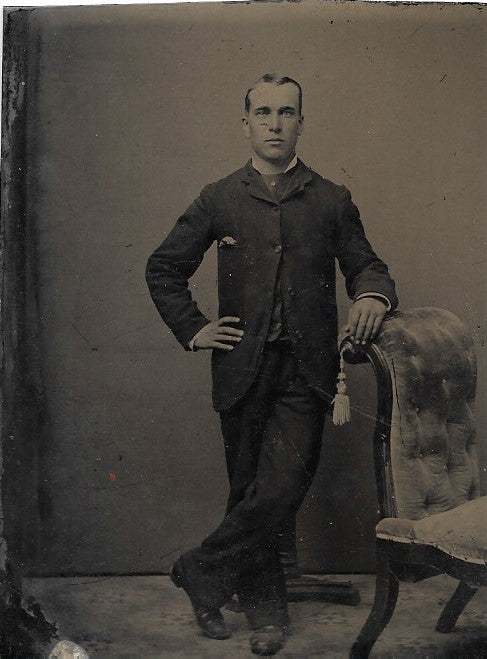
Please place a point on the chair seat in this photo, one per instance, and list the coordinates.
(460, 532)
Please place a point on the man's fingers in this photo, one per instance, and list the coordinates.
(220, 335)
(362, 322)
(364, 319)
(376, 327)
(230, 330)
(226, 337)
(353, 317)
(228, 319)
(221, 346)
(368, 328)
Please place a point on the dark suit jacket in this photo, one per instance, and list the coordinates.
(312, 225)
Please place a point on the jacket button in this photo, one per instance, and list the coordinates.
(278, 248)
(276, 209)
(290, 291)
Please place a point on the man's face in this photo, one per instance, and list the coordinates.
(273, 122)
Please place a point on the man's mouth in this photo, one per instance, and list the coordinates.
(275, 140)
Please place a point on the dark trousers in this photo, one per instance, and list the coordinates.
(272, 442)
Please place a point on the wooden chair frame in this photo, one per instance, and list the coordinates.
(398, 561)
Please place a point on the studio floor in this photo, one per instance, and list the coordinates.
(149, 617)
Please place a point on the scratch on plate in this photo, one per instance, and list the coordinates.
(415, 31)
(82, 336)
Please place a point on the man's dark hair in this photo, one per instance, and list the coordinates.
(277, 80)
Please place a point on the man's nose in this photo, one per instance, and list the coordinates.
(275, 123)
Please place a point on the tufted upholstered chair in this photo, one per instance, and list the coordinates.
(432, 518)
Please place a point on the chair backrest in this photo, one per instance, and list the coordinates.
(425, 452)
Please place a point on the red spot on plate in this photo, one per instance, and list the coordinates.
(112, 477)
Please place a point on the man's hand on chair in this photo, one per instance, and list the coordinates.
(365, 318)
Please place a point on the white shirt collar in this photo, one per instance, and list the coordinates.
(292, 164)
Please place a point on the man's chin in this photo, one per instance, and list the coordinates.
(276, 157)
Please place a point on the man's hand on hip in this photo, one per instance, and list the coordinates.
(365, 318)
(219, 334)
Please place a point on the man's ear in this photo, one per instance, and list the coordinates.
(245, 125)
(301, 125)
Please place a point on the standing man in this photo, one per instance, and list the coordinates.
(279, 227)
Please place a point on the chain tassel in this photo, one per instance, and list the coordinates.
(341, 402)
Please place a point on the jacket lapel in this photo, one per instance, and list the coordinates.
(300, 177)
(255, 184)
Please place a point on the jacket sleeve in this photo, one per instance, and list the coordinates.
(173, 263)
(363, 270)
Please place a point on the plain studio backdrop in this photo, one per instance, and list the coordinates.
(132, 111)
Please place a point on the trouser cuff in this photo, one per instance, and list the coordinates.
(261, 618)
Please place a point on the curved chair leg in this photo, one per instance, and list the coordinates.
(386, 591)
(453, 608)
